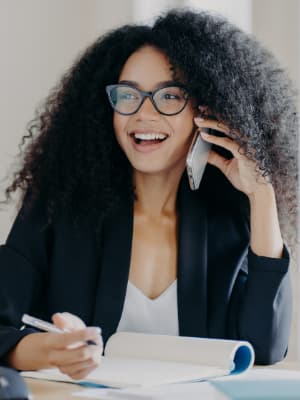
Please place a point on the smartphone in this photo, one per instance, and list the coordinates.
(197, 158)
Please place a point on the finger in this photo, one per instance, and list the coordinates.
(213, 124)
(78, 355)
(81, 374)
(98, 340)
(74, 320)
(67, 321)
(72, 369)
(218, 161)
(59, 321)
(225, 142)
(63, 340)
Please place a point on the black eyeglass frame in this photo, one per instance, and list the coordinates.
(144, 95)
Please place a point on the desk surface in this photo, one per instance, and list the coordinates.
(43, 390)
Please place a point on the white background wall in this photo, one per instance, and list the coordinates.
(39, 39)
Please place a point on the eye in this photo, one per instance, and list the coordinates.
(170, 96)
(127, 96)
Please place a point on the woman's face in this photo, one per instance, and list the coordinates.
(146, 69)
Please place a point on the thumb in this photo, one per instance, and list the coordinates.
(67, 321)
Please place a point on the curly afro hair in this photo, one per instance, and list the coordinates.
(71, 158)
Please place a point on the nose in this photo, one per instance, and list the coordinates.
(148, 111)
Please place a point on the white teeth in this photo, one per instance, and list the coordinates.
(149, 136)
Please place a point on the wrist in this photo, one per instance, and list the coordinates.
(266, 239)
(263, 193)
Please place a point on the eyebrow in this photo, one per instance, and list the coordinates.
(161, 83)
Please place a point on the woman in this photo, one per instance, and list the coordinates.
(110, 231)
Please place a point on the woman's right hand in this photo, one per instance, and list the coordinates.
(66, 351)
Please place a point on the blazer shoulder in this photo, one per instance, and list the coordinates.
(31, 216)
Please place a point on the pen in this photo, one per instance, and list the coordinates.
(47, 326)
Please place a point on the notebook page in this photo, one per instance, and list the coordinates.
(124, 372)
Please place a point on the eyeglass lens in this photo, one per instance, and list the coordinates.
(168, 100)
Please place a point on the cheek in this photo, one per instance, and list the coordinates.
(184, 123)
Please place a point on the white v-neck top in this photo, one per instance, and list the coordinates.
(145, 315)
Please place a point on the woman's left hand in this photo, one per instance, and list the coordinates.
(244, 175)
(240, 170)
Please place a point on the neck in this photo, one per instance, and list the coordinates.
(156, 193)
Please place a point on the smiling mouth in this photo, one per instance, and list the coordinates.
(148, 138)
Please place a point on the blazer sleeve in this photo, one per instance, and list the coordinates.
(23, 269)
(261, 306)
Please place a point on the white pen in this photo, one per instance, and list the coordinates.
(47, 326)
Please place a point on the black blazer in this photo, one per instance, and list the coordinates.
(224, 289)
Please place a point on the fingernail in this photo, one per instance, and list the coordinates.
(94, 330)
(198, 119)
(204, 134)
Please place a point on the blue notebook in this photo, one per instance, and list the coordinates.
(259, 390)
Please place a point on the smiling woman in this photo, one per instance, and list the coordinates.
(107, 210)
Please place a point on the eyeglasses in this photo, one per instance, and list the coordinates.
(127, 100)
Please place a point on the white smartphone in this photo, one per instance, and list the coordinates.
(197, 158)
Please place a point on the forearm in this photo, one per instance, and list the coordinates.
(266, 239)
(30, 353)
(264, 307)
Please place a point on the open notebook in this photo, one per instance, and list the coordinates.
(137, 359)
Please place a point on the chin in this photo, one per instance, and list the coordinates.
(150, 168)
(156, 169)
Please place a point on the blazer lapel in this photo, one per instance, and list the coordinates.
(192, 262)
(114, 271)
